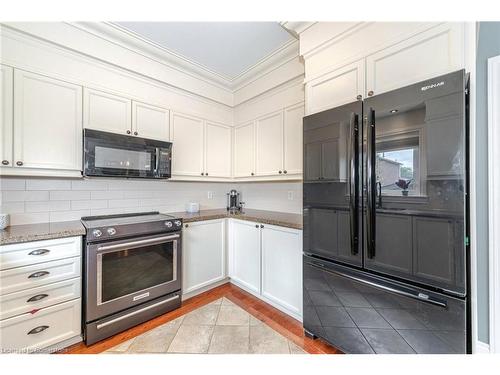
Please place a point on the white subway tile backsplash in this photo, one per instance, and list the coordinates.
(118, 203)
(24, 196)
(89, 185)
(68, 215)
(89, 204)
(12, 184)
(65, 195)
(12, 207)
(46, 206)
(29, 218)
(48, 184)
(42, 200)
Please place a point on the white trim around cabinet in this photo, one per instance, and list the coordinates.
(494, 200)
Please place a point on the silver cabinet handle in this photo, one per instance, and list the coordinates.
(370, 93)
(19, 163)
(5, 162)
(39, 252)
(126, 245)
(112, 321)
(36, 275)
(38, 297)
(38, 329)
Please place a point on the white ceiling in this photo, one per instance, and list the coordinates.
(225, 48)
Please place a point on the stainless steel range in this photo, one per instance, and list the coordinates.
(132, 271)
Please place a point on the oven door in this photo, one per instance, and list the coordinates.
(125, 273)
(115, 155)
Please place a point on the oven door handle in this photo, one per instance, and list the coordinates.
(139, 243)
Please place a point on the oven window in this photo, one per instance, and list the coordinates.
(132, 270)
(108, 157)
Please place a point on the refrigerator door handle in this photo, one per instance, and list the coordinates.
(353, 181)
(371, 184)
(402, 291)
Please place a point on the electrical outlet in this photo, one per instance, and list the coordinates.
(210, 195)
(290, 195)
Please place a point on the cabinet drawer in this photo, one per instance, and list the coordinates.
(44, 328)
(37, 298)
(25, 254)
(18, 279)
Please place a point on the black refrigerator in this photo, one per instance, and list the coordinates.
(385, 212)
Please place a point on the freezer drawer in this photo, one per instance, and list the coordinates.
(361, 313)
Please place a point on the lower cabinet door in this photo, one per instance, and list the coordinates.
(245, 255)
(282, 268)
(46, 327)
(203, 254)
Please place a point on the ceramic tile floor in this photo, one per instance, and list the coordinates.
(220, 327)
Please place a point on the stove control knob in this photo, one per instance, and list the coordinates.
(168, 224)
(178, 223)
(97, 233)
(111, 231)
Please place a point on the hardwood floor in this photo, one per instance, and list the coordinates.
(280, 322)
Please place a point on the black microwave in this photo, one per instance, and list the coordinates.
(115, 155)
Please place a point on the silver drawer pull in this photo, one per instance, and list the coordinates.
(38, 329)
(39, 252)
(38, 274)
(38, 297)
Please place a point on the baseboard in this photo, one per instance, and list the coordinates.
(204, 289)
(482, 348)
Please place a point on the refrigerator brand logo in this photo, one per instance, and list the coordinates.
(433, 86)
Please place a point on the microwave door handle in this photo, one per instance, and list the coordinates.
(157, 161)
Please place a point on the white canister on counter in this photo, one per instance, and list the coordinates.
(4, 221)
(192, 207)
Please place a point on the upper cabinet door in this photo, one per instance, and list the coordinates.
(339, 87)
(270, 145)
(107, 112)
(293, 139)
(432, 53)
(187, 147)
(6, 116)
(217, 150)
(47, 122)
(150, 122)
(244, 150)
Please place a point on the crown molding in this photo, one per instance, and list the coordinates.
(138, 44)
(296, 27)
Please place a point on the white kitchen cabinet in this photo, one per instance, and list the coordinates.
(47, 122)
(336, 88)
(7, 114)
(292, 135)
(203, 254)
(188, 145)
(149, 121)
(245, 255)
(217, 150)
(244, 150)
(437, 51)
(282, 267)
(107, 112)
(266, 260)
(269, 154)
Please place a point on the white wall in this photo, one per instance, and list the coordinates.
(34, 200)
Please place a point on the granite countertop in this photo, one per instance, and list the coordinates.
(281, 219)
(47, 231)
(43, 231)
